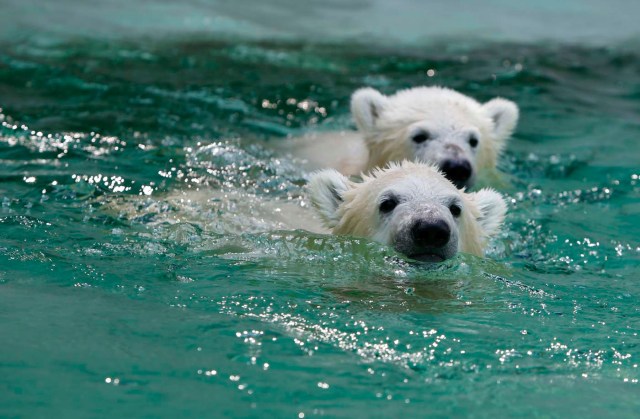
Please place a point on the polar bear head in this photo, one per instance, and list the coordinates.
(434, 125)
(410, 206)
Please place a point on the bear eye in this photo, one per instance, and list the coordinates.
(473, 141)
(388, 205)
(455, 210)
(420, 137)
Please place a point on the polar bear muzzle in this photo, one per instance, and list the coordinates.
(430, 240)
(458, 171)
(429, 234)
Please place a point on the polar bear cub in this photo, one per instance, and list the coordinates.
(461, 136)
(435, 125)
(410, 206)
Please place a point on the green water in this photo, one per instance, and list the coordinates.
(117, 300)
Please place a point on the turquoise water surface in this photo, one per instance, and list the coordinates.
(121, 295)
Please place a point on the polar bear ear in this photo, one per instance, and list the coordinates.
(504, 114)
(492, 209)
(327, 188)
(366, 106)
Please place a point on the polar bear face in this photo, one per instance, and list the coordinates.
(434, 125)
(410, 206)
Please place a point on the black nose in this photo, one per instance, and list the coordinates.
(430, 233)
(457, 171)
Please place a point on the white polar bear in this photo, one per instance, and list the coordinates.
(430, 124)
(410, 206)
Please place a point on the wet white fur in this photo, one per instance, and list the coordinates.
(352, 208)
(387, 123)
